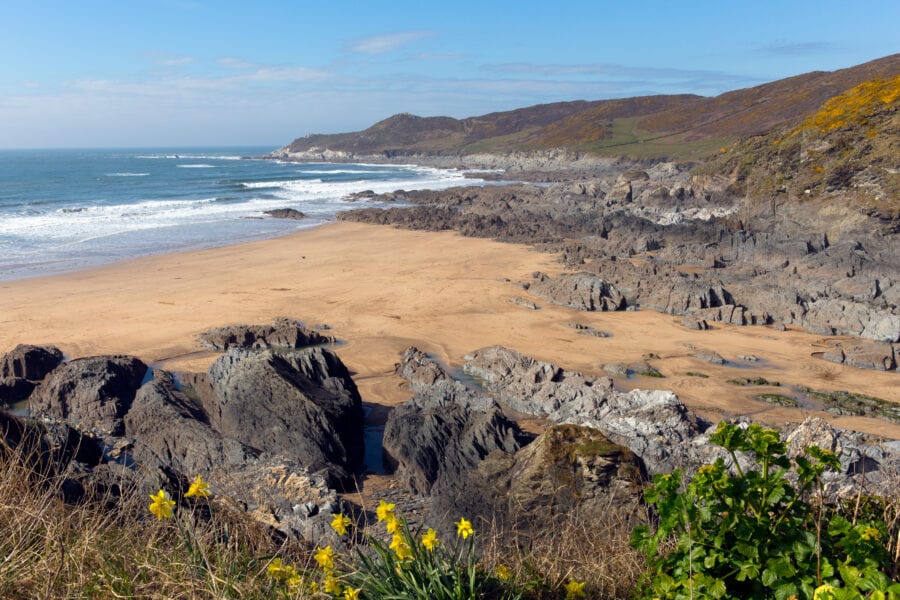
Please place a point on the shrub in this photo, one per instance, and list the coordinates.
(754, 534)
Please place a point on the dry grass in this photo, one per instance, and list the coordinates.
(596, 552)
(112, 548)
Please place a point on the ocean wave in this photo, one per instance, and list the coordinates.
(196, 166)
(190, 156)
(127, 174)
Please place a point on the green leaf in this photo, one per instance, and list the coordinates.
(783, 592)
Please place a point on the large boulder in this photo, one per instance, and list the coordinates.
(90, 393)
(302, 405)
(30, 362)
(568, 470)
(443, 432)
(171, 432)
(282, 333)
(173, 443)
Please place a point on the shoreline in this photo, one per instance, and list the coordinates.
(383, 289)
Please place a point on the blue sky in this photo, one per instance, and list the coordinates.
(200, 72)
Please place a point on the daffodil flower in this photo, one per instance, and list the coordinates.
(503, 573)
(162, 505)
(574, 589)
(340, 523)
(464, 528)
(351, 593)
(325, 558)
(198, 489)
(429, 539)
(385, 510)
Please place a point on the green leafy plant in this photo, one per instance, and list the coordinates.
(755, 534)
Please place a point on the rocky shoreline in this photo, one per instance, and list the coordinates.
(276, 425)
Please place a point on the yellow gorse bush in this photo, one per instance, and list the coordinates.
(854, 106)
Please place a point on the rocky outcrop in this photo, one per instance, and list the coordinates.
(655, 425)
(282, 333)
(419, 369)
(303, 405)
(567, 470)
(527, 385)
(90, 393)
(30, 362)
(580, 291)
(879, 356)
(874, 464)
(435, 438)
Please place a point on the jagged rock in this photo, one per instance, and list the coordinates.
(654, 424)
(567, 470)
(879, 356)
(14, 389)
(90, 393)
(876, 464)
(527, 385)
(30, 362)
(303, 405)
(519, 301)
(171, 431)
(282, 333)
(580, 291)
(416, 367)
(442, 433)
(285, 213)
(727, 313)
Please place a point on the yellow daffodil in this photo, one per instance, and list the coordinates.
(392, 523)
(351, 594)
(429, 539)
(574, 589)
(295, 581)
(162, 505)
(385, 510)
(503, 573)
(464, 529)
(340, 523)
(274, 569)
(400, 547)
(198, 489)
(325, 558)
(331, 585)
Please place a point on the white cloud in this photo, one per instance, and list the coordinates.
(382, 44)
(232, 62)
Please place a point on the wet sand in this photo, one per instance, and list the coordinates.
(383, 289)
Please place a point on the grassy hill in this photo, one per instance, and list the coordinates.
(848, 147)
(673, 126)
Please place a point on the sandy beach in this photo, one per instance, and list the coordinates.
(381, 290)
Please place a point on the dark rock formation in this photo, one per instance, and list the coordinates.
(285, 213)
(14, 389)
(568, 470)
(30, 362)
(282, 333)
(434, 439)
(90, 393)
(302, 405)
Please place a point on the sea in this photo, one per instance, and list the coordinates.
(65, 210)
